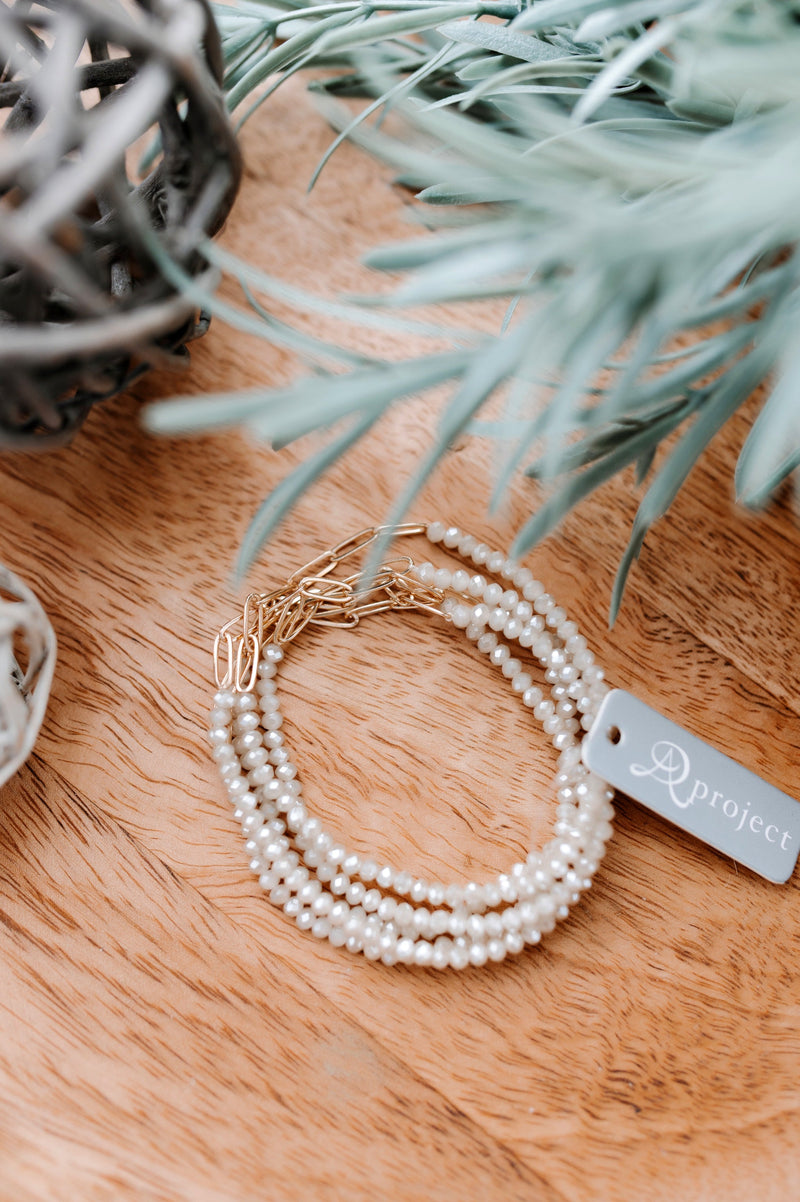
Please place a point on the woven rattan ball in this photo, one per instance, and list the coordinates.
(85, 307)
(27, 659)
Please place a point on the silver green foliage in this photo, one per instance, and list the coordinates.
(626, 175)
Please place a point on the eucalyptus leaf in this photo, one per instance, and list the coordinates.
(630, 450)
(772, 449)
(624, 65)
(736, 386)
(375, 28)
(282, 498)
(500, 40)
(615, 18)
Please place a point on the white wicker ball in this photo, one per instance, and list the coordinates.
(24, 685)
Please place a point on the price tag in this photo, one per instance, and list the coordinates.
(675, 774)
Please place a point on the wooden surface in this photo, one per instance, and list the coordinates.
(166, 1034)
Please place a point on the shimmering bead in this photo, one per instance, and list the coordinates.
(237, 788)
(355, 893)
(441, 952)
(423, 954)
(421, 922)
(247, 742)
(461, 616)
(385, 877)
(521, 682)
(244, 722)
(473, 895)
(477, 955)
(459, 957)
(223, 752)
(405, 950)
(418, 891)
(295, 817)
(457, 924)
(512, 628)
(514, 942)
(555, 616)
(323, 904)
(439, 922)
(403, 882)
(497, 619)
(476, 927)
(532, 590)
(255, 758)
(368, 870)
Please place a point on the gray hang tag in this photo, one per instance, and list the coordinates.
(654, 761)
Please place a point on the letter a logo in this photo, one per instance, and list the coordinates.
(669, 766)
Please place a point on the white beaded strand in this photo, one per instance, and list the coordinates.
(388, 914)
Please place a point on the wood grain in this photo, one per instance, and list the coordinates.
(166, 1034)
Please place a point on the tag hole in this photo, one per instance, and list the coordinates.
(614, 735)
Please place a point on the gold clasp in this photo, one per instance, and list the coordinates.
(312, 596)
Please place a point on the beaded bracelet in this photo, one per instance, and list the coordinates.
(353, 901)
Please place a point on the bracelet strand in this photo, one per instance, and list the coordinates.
(355, 901)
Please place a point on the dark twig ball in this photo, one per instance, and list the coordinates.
(88, 86)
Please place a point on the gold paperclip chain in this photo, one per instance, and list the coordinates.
(314, 596)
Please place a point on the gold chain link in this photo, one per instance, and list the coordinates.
(313, 596)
